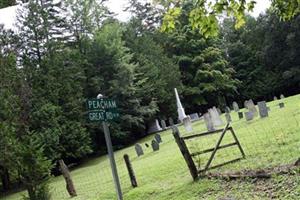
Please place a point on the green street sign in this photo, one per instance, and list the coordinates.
(103, 109)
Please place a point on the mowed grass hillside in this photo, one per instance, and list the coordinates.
(163, 175)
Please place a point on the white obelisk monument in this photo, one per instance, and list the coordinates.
(180, 109)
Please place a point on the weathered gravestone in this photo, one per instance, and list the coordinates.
(171, 122)
(275, 98)
(163, 124)
(249, 115)
(208, 122)
(155, 145)
(194, 116)
(228, 117)
(187, 124)
(241, 116)
(281, 105)
(235, 106)
(263, 110)
(251, 107)
(246, 104)
(157, 138)
(154, 127)
(219, 111)
(139, 150)
(216, 119)
(227, 109)
(281, 96)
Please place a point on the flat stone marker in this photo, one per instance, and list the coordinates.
(155, 145)
(281, 105)
(171, 122)
(163, 124)
(187, 124)
(241, 115)
(263, 109)
(208, 122)
(194, 116)
(139, 150)
(235, 106)
(157, 138)
(249, 116)
(281, 96)
(228, 117)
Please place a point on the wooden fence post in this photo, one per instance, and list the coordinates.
(130, 171)
(185, 152)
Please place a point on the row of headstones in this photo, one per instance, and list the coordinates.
(154, 144)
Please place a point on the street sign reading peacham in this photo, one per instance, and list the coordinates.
(103, 109)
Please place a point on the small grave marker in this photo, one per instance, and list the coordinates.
(187, 124)
(139, 150)
(171, 122)
(241, 115)
(235, 106)
(163, 124)
(157, 138)
(155, 145)
(249, 116)
(228, 117)
(281, 105)
(208, 122)
(263, 110)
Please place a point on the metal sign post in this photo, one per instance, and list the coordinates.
(112, 160)
(104, 110)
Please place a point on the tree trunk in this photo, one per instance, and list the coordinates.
(5, 178)
(66, 174)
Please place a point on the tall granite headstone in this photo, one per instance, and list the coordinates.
(139, 150)
(155, 145)
(208, 122)
(235, 106)
(263, 109)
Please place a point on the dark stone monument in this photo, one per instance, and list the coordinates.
(155, 145)
(139, 150)
(241, 116)
(157, 138)
(263, 110)
(281, 105)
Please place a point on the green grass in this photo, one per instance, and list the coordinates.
(163, 175)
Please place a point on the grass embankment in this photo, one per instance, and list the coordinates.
(163, 175)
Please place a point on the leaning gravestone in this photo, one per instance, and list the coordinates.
(154, 127)
(194, 116)
(139, 150)
(241, 116)
(163, 124)
(157, 138)
(281, 105)
(187, 124)
(263, 109)
(155, 145)
(228, 117)
(249, 115)
(281, 96)
(208, 122)
(235, 106)
(171, 122)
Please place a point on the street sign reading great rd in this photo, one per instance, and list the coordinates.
(102, 110)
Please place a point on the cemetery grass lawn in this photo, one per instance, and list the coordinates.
(163, 175)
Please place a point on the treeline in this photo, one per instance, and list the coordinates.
(65, 52)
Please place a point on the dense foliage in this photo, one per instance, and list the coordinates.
(55, 61)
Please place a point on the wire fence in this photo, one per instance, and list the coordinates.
(267, 142)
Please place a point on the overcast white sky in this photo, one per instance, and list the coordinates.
(7, 15)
